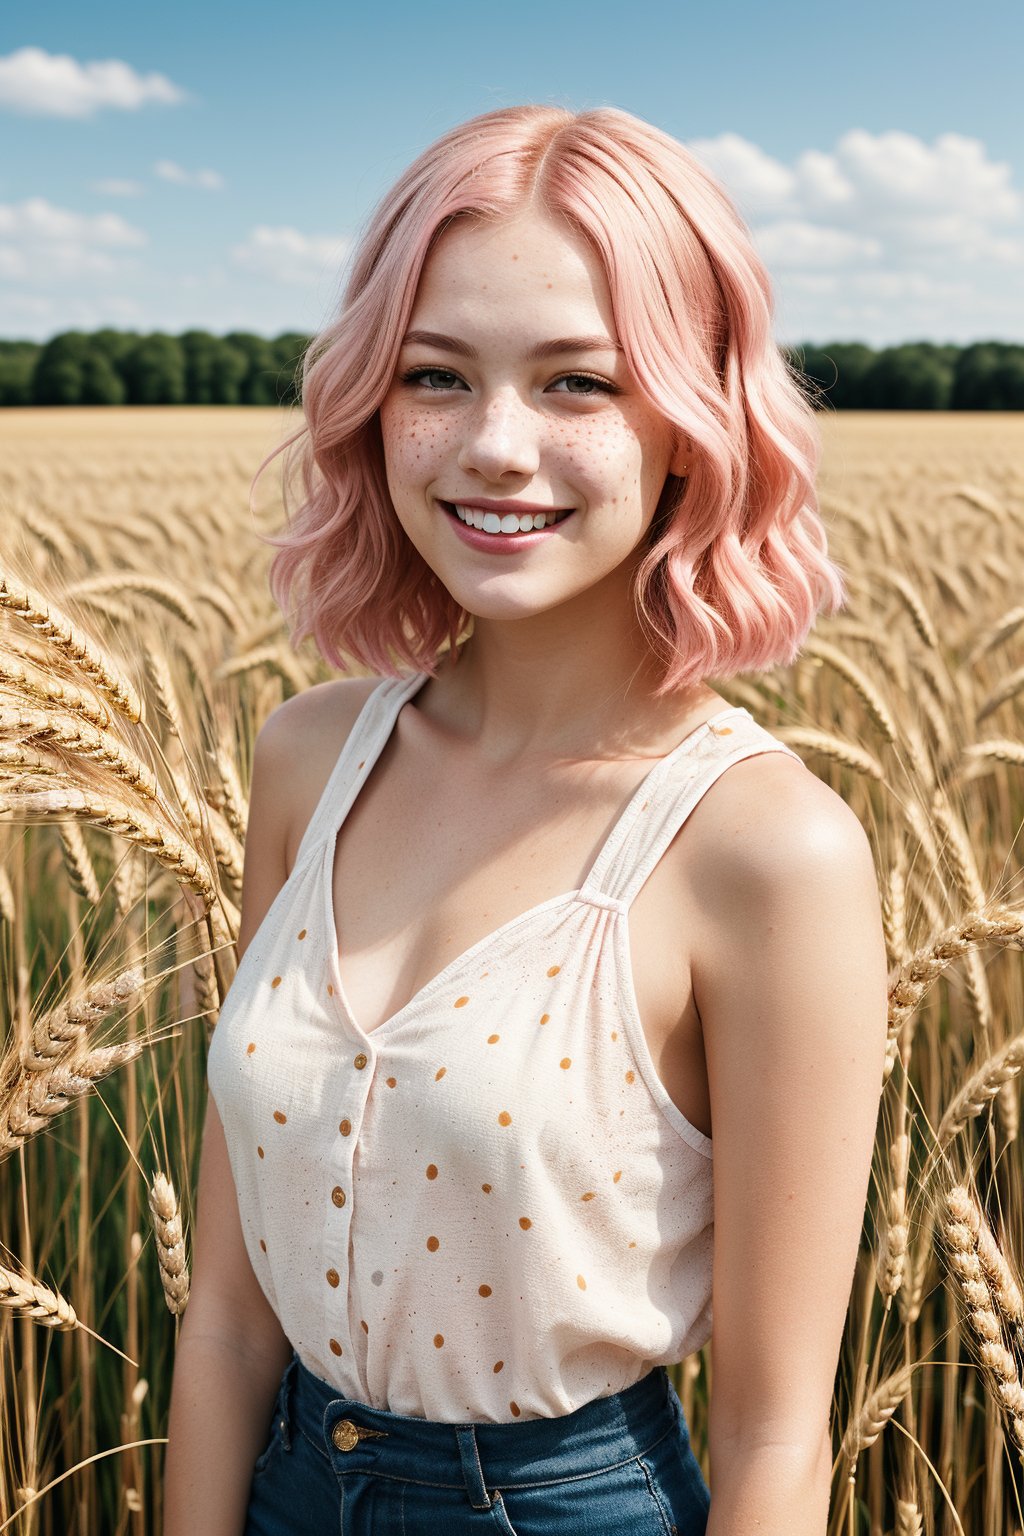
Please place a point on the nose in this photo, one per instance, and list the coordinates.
(500, 438)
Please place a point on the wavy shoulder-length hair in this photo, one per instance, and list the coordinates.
(735, 567)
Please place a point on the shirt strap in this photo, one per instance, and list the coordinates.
(668, 794)
(363, 745)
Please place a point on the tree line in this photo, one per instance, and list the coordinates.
(111, 367)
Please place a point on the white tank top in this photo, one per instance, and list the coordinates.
(488, 1208)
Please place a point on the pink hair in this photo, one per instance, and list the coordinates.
(736, 565)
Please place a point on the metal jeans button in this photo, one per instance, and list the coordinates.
(345, 1435)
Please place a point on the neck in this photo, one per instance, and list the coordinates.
(578, 679)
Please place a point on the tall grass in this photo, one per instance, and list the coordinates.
(140, 653)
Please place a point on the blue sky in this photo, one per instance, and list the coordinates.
(215, 169)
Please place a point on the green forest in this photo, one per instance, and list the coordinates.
(111, 367)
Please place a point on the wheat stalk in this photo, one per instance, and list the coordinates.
(222, 604)
(980, 1089)
(170, 1243)
(47, 620)
(1002, 630)
(38, 1097)
(962, 1227)
(909, 1521)
(62, 1030)
(24, 1297)
(1001, 751)
(859, 681)
(234, 805)
(999, 926)
(81, 874)
(163, 683)
(914, 605)
(162, 591)
(805, 739)
(184, 863)
(81, 739)
(893, 1253)
(867, 1425)
(51, 688)
(1002, 694)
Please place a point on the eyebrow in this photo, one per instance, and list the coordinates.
(545, 349)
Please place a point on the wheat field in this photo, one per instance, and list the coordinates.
(139, 654)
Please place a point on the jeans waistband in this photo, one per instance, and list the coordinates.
(603, 1433)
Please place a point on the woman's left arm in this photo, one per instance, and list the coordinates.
(790, 980)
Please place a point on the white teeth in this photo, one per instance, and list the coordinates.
(510, 523)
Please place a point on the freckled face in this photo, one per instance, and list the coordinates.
(511, 387)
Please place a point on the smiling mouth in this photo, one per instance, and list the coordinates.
(507, 524)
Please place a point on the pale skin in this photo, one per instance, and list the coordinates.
(757, 950)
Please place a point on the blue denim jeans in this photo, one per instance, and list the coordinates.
(619, 1464)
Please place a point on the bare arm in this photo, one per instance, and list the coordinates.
(790, 982)
(231, 1348)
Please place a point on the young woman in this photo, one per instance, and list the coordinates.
(530, 911)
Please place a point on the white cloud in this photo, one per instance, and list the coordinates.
(796, 243)
(901, 173)
(759, 183)
(921, 235)
(286, 256)
(168, 170)
(111, 186)
(56, 85)
(39, 241)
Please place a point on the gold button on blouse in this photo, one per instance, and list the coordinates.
(338, 1195)
(360, 1061)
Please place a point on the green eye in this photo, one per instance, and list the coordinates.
(592, 385)
(439, 378)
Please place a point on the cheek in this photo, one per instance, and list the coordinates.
(414, 440)
(605, 453)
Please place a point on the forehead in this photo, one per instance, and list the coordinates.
(534, 268)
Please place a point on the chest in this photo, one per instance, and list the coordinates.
(429, 863)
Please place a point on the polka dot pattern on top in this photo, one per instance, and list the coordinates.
(487, 1208)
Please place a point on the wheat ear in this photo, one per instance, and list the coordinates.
(81, 739)
(879, 1408)
(184, 863)
(53, 689)
(893, 1253)
(170, 1243)
(36, 1098)
(29, 1299)
(87, 656)
(1000, 926)
(963, 1220)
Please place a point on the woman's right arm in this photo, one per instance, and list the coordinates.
(231, 1348)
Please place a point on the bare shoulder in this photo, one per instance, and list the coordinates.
(299, 743)
(781, 880)
(767, 821)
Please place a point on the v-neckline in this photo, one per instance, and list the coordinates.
(384, 731)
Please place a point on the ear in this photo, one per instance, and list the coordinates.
(682, 456)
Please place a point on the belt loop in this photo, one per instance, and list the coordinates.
(472, 1471)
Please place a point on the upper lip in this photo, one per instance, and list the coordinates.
(481, 504)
